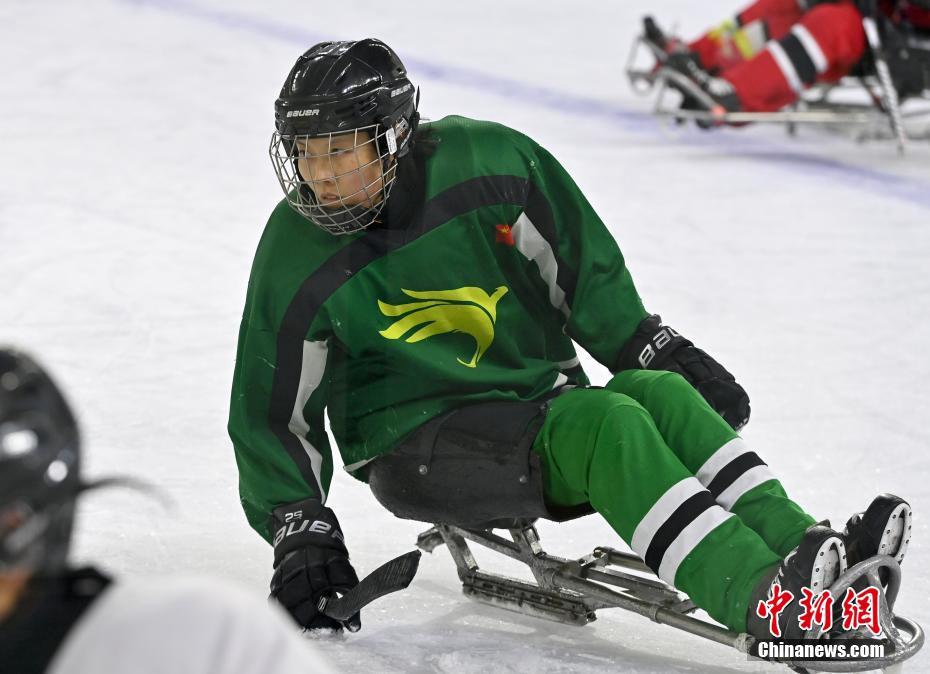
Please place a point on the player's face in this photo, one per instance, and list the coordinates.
(13, 579)
(342, 170)
(12, 585)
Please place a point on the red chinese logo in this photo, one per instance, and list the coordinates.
(860, 609)
(772, 608)
(818, 610)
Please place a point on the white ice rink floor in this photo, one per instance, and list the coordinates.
(134, 185)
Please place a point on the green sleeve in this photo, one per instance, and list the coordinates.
(285, 458)
(603, 305)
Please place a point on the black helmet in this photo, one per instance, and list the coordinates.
(39, 464)
(337, 89)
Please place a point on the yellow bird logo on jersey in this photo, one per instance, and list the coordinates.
(437, 312)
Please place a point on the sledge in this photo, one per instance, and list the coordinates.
(865, 106)
(571, 591)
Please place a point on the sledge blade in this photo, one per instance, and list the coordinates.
(526, 598)
(389, 577)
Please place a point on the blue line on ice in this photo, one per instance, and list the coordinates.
(884, 183)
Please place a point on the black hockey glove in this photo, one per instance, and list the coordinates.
(658, 347)
(310, 562)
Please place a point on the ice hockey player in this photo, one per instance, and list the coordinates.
(425, 282)
(63, 620)
(765, 57)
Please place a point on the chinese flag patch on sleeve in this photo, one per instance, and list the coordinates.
(505, 235)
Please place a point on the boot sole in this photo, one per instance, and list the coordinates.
(897, 533)
(829, 564)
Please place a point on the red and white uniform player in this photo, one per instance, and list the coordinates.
(774, 49)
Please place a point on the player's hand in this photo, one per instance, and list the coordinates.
(311, 562)
(718, 387)
(658, 347)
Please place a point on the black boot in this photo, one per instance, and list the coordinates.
(883, 529)
(816, 563)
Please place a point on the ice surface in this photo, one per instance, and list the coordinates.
(134, 184)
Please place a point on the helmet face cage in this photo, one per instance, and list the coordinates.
(351, 178)
(35, 538)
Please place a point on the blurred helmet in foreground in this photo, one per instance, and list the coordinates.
(39, 467)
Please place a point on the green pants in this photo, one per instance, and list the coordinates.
(675, 482)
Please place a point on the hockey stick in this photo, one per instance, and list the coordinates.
(389, 577)
(889, 92)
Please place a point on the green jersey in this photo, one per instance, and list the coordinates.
(477, 296)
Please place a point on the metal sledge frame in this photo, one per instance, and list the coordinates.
(881, 118)
(571, 590)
